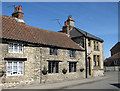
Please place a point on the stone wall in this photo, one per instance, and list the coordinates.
(30, 73)
(63, 55)
(36, 59)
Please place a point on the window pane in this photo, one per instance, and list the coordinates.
(69, 67)
(57, 67)
(88, 42)
(74, 67)
(97, 45)
(14, 67)
(20, 68)
(10, 48)
(98, 60)
(55, 51)
(94, 44)
(49, 67)
(9, 68)
(70, 53)
(53, 67)
(94, 60)
(74, 53)
(15, 47)
(20, 48)
(51, 51)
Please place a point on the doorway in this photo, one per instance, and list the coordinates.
(88, 66)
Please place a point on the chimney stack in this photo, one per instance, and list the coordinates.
(69, 24)
(18, 13)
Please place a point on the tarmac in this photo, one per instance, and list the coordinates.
(66, 84)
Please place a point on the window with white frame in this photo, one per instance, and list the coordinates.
(15, 68)
(15, 48)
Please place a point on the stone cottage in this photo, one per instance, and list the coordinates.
(27, 51)
(93, 47)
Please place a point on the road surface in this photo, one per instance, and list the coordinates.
(111, 83)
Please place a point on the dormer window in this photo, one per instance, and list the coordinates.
(15, 48)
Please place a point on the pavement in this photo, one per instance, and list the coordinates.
(66, 84)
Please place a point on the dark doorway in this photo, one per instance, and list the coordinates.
(89, 66)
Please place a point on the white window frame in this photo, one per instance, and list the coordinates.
(12, 49)
(18, 73)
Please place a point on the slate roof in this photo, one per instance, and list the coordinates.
(88, 35)
(116, 46)
(11, 29)
(115, 56)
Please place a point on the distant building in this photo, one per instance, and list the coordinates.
(114, 60)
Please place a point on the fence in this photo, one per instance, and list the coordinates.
(112, 68)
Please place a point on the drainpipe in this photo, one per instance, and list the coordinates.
(40, 65)
(86, 55)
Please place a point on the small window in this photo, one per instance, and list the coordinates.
(15, 48)
(15, 68)
(72, 53)
(97, 45)
(89, 42)
(72, 66)
(53, 51)
(53, 67)
(98, 58)
(115, 62)
(94, 57)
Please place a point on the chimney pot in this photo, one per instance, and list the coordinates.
(18, 13)
(65, 23)
(20, 7)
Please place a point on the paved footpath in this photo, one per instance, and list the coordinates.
(62, 85)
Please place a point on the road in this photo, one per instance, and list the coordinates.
(111, 83)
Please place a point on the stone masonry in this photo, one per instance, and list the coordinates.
(36, 59)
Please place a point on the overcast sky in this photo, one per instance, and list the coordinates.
(97, 18)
